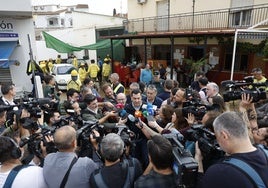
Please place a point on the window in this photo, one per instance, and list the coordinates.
(62, 22)
(71, 21)
(241, 18)
(241, 62)
(51, 22)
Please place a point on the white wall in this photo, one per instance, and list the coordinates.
(82, 33)
(16, 5)
(21, 53)
(88, 20)
(149, 9)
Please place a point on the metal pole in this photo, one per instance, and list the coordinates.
(112, 55)
(193, 16)
(145, 50)
(171, 57)
(233, 59)
(168, 13)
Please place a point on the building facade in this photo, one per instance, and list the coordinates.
(168, 31)
(73, 25)
(15, 31)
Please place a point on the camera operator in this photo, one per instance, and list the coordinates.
(232, 135)
(49, 89)
(93, 113)
(50, 118)
(9, 92)
(159, 172)
(116, 172)
(57, 165)
(27, 176)
(179, 98)
(212, 90)
(258, 77)
(2, 120)
(73, 114)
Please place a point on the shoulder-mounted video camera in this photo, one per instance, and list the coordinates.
(235, 89)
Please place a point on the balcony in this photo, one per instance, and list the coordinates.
(221, 19)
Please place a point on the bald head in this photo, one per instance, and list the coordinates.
(65, 137)
(121, 98)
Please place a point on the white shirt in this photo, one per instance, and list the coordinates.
(31, 176)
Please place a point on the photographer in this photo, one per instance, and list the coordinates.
(49, 89)
(232, 136)
(212, 90)
(65, 162)
(93, 113)
(159, 172)
(26, 176)
(116, 172)
(2, 120)
(9, 92)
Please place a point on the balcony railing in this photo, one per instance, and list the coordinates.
(242, 17)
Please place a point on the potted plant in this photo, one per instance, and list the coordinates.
(192, 66)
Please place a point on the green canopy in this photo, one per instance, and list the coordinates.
(103, 44)
(62, 47)
(58, 45)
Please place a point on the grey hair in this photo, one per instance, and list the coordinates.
(214, 86)
(152, 87)
(112, 147)
(134, 84)
(115, 76)
(233, 123)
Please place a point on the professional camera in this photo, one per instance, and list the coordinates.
(52, 95)
(193, 105)
(184, 165)
(206, 141)
(13, 113)
(35, 106)
(235, 89)
(34, 140)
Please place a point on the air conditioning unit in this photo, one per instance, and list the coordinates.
(141, 1)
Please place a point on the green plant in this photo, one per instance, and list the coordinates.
(192, 66)
(265, 50)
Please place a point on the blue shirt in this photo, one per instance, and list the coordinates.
(146, 76)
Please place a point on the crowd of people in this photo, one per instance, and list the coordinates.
(117, 138)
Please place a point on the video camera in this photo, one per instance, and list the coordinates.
(235, 89)
(194, 106)
(12, 111)
(206, 141)
(34, 140)
(184, 165)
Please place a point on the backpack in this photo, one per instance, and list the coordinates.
(247, 169)
(129, 174)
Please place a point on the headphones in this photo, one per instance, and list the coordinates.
(15, 152)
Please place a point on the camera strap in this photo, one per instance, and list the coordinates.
(62, 185)
(248, 170)
(12, 175)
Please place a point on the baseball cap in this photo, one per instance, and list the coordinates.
(156, 73)
(256, 71)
